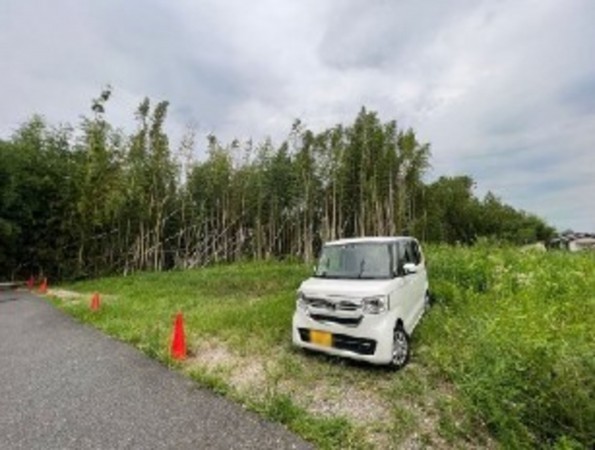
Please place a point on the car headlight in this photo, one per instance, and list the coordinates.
(375, 305)
(301, 302)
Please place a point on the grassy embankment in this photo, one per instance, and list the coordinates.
(507, 355)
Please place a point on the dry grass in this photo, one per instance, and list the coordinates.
(387, 413)
(64, 294)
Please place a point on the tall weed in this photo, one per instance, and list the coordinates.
(515, 332)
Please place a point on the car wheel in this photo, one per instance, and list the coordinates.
(400, 354)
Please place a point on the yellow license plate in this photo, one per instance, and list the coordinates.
(321, 338)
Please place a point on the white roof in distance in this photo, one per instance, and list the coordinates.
(368, 240)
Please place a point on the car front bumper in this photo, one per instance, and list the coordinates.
(370, 341)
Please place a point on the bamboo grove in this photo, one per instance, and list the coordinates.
(90, 200)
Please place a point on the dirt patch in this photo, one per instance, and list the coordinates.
(243, 372)
(256, 375)
(212, 355)
(250, 375)
(346, 400)
(76, 297)
(63, 294)
(389, 414)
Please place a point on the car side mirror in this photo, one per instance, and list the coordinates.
(409, 268)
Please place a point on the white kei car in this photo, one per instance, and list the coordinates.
(364, 300)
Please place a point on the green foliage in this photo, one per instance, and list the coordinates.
(511, 330)
(98, 201)
(453, 214)
(37, 191)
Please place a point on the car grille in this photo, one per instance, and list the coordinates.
(343, 305)
(358, 345)
(349, 321)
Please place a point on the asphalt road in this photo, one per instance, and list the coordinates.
(65, 385)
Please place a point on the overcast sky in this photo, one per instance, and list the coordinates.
(503, 90)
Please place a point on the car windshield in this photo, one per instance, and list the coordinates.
(361, 260)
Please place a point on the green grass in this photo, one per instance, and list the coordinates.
(509, 347)
(516, 334)
(242, 304)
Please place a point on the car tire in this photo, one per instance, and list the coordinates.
(400, 348)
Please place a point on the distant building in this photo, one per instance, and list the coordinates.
(574, 242)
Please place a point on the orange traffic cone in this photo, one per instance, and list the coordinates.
(178, 341)
(95, 302)
(43, 287)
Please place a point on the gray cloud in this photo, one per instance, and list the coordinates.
(380, 33)
(579, 95)
(503, 90)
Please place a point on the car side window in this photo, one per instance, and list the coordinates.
(415, 253)
(407, 252)
(405, 255)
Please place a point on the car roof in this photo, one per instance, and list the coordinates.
(370, 240)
